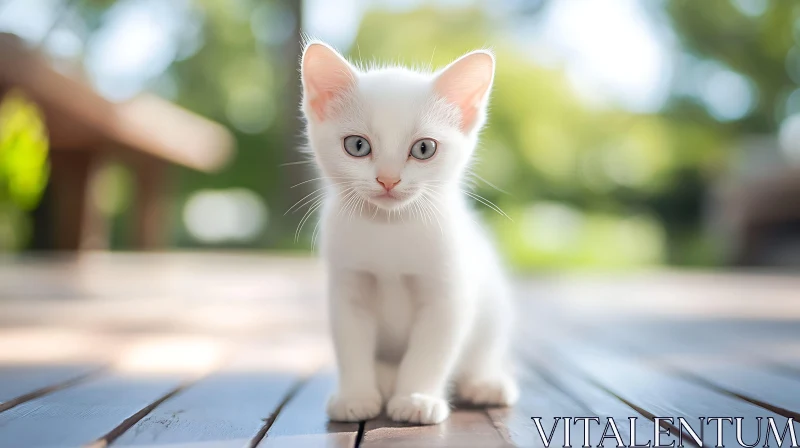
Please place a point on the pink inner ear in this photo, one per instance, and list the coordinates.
(465, 84)
(319, 104)
(325, 76)
(470, 104)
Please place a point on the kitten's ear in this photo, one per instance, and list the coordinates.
(466, 84)
(325, 74)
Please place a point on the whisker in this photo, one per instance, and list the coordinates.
(316, 178)
(315, 235)
(360, 206)
(433, 213)
(433, 194)
(345, 199)
(418, 211)
(303, 199)
(350, 206)
(492, 185)
(317, 204)
(487, 203)
(423, 210)
(302, 162)
(430, 207)
(311, 200)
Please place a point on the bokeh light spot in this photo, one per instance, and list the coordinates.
(236, 215)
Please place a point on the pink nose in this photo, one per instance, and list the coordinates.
(387, 182)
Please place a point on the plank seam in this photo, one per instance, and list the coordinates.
(548, 378)
(485, 412)
(129, 422)
(780, 368)
(701, 381)
(677, 370)
(14, 402)
(360, 434)
(268, 422)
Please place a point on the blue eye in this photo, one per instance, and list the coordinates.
(357, 146)
(423, 149)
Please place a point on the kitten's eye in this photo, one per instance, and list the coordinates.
(423, 149)
(357, 146)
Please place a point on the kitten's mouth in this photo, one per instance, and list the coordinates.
(388, 199)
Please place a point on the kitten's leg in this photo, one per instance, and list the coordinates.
(353, 323)
(435, 340)
(484, 374)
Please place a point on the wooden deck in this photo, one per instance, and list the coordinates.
(232, 351)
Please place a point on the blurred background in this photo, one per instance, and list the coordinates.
(627, 140)
(622, 133)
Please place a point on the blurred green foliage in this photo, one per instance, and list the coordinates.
(24, 167)
(240, 79)
(760, 42)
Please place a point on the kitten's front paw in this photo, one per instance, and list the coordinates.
(501, 391)
(354, 407)
(418, 408)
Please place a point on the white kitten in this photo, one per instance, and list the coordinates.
(417, 296)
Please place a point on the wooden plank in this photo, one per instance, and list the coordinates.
(18, 380)
(739, 359)
(722, 361)
(752, 383)
(751, 338)
(81, 414)
(464, 428)
(232, 406)
(302, 421)
(228, 408)
(658, 393)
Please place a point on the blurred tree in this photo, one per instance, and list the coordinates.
(759, 39)
(89, 12)
(241, 71)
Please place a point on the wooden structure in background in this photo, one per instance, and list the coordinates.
(762, 216)
(86, 130)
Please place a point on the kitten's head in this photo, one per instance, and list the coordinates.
(390, 135)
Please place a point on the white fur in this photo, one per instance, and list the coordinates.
(418, 300)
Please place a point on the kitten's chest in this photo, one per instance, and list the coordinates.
(395, 310)
(391, 248)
